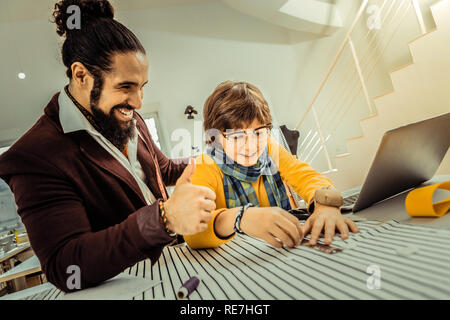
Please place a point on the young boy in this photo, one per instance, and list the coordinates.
(247, 169)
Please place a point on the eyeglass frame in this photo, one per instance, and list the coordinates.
(227, 136)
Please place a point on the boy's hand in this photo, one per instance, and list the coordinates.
(330, 219)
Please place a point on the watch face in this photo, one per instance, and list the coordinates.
(329, 197)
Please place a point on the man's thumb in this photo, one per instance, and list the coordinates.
(187, 173)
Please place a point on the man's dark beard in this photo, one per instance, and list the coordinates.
(110, 126)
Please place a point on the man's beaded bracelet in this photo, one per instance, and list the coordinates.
(162, 213)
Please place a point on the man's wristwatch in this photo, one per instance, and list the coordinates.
(327, 197)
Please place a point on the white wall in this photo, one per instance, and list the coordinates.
(193, 48)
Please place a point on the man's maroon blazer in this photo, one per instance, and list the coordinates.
(80, 206)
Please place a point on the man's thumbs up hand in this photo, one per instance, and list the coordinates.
(189, 208)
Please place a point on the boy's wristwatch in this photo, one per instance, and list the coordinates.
(239, 214)
(327, 197)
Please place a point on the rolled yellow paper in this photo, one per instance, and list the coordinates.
(419, 202)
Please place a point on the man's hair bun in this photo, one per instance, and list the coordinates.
(92, 35)
(90, 10)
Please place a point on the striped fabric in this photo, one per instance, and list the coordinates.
(247, 268)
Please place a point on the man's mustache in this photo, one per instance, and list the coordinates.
(121, 106)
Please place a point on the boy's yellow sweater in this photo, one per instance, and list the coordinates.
(297, 174)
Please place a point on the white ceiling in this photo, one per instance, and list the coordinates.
(150, 4)
(312, 16)
(30, 44)
(26, 10)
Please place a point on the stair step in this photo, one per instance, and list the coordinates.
(383, 94)
(422, 35)
(401, 67)
(441, 13)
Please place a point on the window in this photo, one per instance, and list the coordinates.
(152, 122)
(3, 149)
(9, 219)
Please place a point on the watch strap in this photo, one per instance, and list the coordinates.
(239, 214)
(329, 197)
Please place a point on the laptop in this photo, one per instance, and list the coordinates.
(407, 157)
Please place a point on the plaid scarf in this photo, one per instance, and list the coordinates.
(237, 180)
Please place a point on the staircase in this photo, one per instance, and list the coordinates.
(421, 91)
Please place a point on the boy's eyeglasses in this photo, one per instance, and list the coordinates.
(239, 136)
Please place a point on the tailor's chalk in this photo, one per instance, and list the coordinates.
(326, 248)
(188, 287)
(406, 251)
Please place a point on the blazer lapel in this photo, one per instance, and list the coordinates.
(102, 158)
